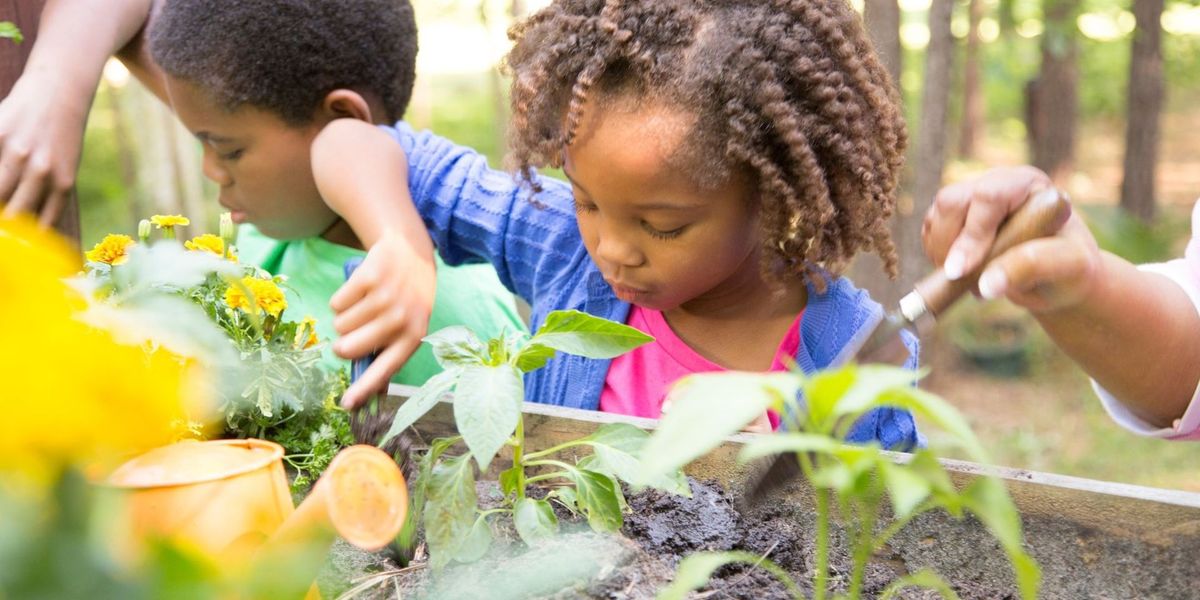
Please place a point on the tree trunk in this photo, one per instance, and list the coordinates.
(972, 117)
(930, 155)
(1052, 98)
(882, 20)
(1145, 105)
(25, 14)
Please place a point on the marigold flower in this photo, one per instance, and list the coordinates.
(307, 326)
(267, 296)
(113, 249)
(162, 221)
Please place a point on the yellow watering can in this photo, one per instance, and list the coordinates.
(229, 499)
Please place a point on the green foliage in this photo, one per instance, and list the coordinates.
(849, 481)
(9, 30)
(1133, 240)
(488, 393)
(271, 385)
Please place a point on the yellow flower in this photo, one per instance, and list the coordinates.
(266, 295)
(307, 326)
(162, 221)
(113, 249)
(72, 394)
(209, 243)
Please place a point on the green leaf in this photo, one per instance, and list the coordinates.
(535, 520)
(533, 357)
(987, 499)
(421, 402)
(871, 383)
(786, 441)
(821, 395)
(582, 334)
(9, 30)
(939, 412)
(487, 406)
(456, 346)
(567, 497)
(906, 489)
(509, 479)
(450, 508)
(707, 408)
(596, 497)
(477, 542)
(695, 571)
(921, 579)
(616, 449)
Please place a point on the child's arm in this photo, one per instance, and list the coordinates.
(478, 214)
(1137, 333)
(43, 118)
(385, 305)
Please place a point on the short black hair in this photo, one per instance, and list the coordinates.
(285, 56)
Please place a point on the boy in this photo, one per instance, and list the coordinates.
(256, 81)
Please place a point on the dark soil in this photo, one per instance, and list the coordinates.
(660, 530)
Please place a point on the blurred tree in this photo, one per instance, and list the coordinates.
(1146, 92)
(930, 156)
(1052, 98)
(972, 126)
(882, 20)
(1006, 17)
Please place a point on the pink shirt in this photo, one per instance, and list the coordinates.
(638, 381)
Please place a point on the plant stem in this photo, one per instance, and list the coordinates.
(518, 456)
(553, 463)
(546, 476)
(863, 547)
(558, 448)
(821, 577)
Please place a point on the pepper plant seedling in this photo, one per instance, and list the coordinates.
(848, 481)
(486, 379)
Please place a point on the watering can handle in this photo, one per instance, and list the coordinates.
(359, 365)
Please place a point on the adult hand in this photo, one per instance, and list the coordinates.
(385, 307)
(1042, 275)
(41, 136)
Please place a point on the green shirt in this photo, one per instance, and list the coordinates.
(469, 295)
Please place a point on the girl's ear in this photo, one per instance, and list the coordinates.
(345, 104)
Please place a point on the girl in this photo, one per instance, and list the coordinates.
(726, 161)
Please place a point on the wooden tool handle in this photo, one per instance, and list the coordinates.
(1041, 216)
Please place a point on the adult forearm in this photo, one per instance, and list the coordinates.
(1138, 335)
(77, 37)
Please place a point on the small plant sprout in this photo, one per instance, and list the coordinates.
(847, 481)
(486, 378)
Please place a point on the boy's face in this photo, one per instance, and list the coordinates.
(260, 162)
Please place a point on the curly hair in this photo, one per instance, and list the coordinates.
(789, 91)
(285, 56)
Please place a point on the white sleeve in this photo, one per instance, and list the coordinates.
(1183, 272)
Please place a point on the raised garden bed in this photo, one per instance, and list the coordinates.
(1093, 539)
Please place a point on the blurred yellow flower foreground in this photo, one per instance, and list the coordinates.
(71, 394)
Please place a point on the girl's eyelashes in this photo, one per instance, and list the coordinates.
(663, 235)
(584, 207)
(236, 154)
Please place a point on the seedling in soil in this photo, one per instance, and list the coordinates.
(848, 481)
(486, 379)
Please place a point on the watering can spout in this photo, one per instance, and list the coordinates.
(360, 497)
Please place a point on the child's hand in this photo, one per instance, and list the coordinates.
(1042, 275)
(383, 307)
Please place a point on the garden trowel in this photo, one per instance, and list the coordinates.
(1042, 215)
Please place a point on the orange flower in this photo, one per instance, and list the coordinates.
(113, 249)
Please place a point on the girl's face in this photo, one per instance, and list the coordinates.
(660, 240)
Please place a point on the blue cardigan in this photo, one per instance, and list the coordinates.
(477, 214)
